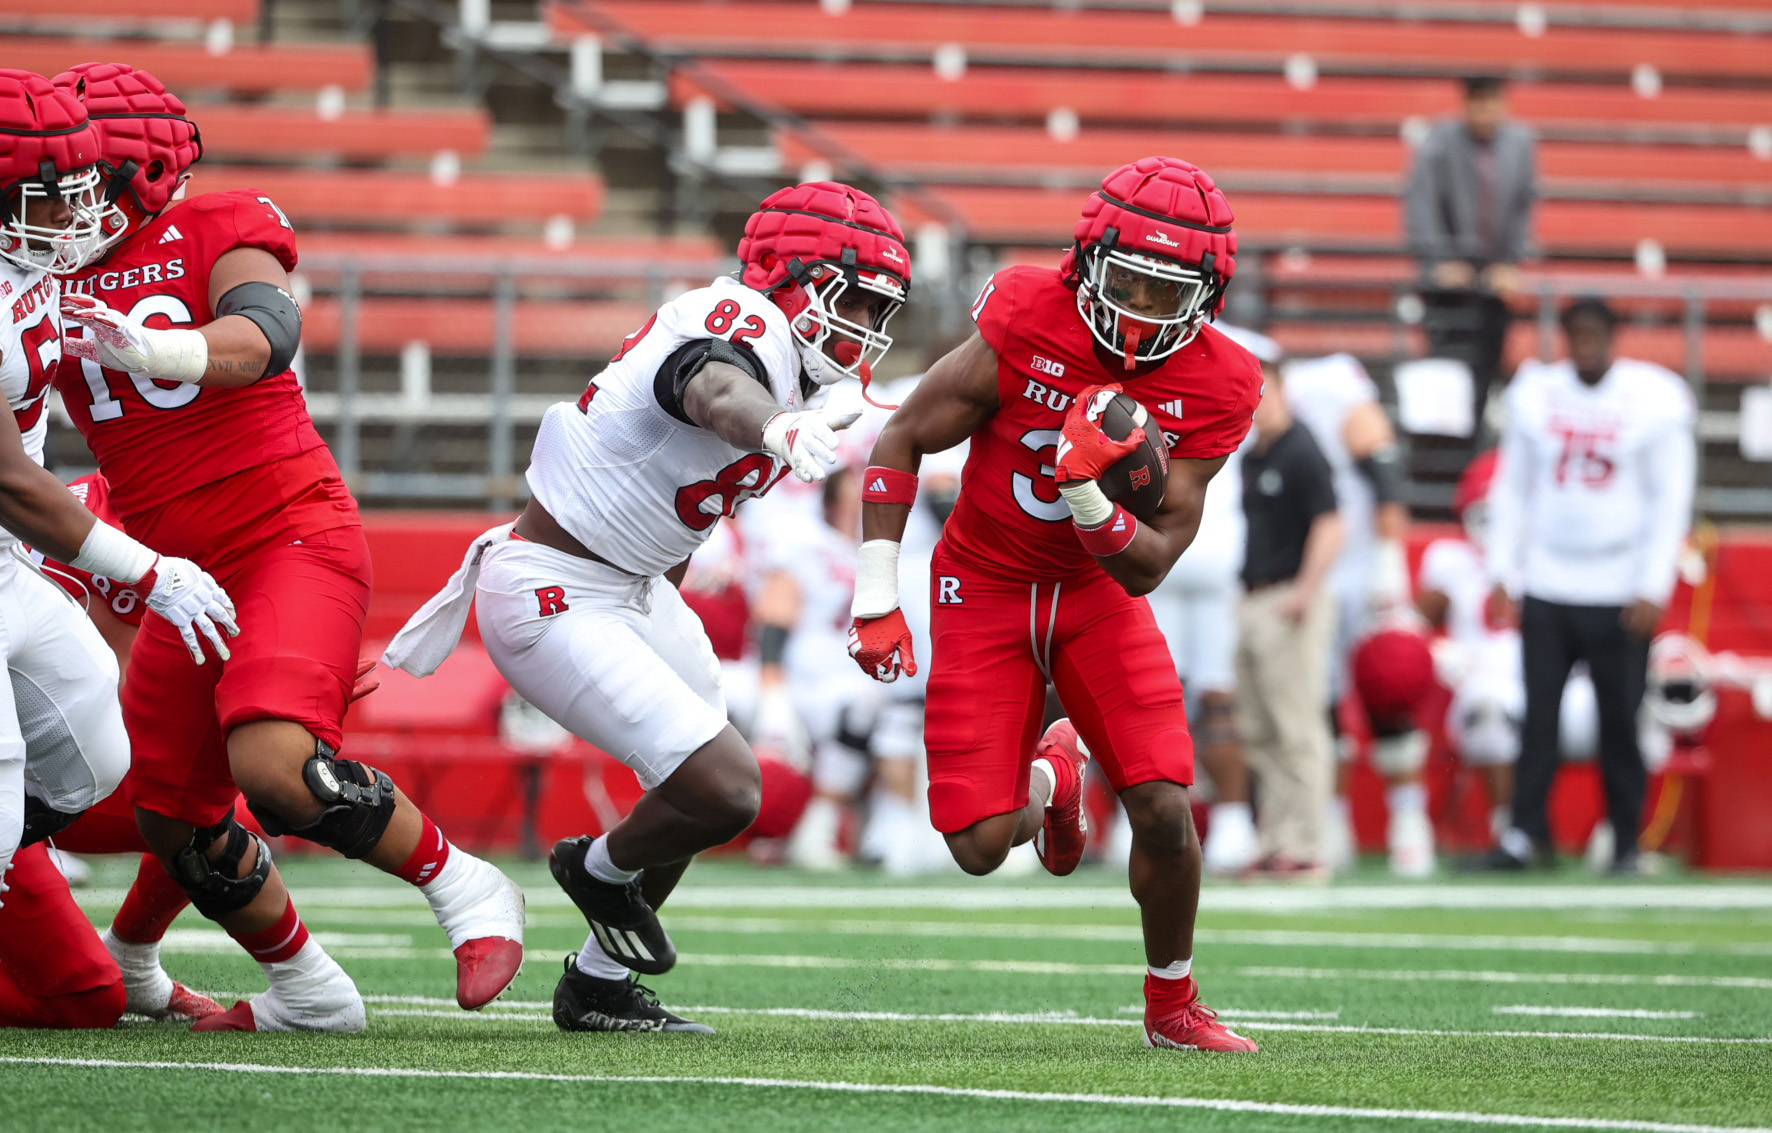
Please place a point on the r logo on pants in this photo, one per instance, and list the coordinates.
(949, 591)
(552, 600)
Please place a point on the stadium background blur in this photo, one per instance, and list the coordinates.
(489, 196)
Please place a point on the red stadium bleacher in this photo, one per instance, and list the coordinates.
(246, 69)
(387, 198)
(854, 89)
(466, 327)
(983, 154)
(127, 11)
(259, 132)
(1119, 38)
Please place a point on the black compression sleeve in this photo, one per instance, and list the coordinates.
(1383, 470)
(274, 311)
(687, 360)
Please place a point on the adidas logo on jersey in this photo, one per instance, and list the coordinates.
(1173, 408)
(172, 233)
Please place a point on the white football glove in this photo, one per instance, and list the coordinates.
(807, 441)
(185, 595)
(115, 340)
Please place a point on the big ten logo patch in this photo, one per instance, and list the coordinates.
(551, 600)
(1048, 366)
(948, 591)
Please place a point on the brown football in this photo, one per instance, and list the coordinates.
(1138, 481)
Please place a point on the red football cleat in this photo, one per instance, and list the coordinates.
(1061, 838)
(236, 1018)
(484, 968)
(1175, 1019)
(189, 1004)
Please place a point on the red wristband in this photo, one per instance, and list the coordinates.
(888, 486)
(1111, 537)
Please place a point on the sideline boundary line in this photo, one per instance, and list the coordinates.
(1221, 1105)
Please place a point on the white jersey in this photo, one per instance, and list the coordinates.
(1322, 393)
(821, 561)
(638, 486)
(1454, 567)
(1592, 499)
(30, 349)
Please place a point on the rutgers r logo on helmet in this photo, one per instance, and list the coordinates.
(1151, 258)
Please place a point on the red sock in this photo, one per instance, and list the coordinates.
(428, 858)
(150, 907)
(1165, 997)
(277, 943)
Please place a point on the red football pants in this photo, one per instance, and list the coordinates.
(300, 609)
(997, 641)
(54, 970)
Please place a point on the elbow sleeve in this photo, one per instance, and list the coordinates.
(679, 369)
(1383, 470)
(274, 311)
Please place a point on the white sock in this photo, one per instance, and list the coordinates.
(595, 962)
(1407, 797)
(310, 979)
(1517, 843)
(1232, 814)
(1180, 970)
(145, 982)
(1044, 766)
(598, 865)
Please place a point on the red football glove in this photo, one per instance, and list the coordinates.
(367, 682)
(1084, 451)
(882, 647)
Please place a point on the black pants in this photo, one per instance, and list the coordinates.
(1470, 326)
(1553, 637)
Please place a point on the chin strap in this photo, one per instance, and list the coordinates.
(1130, 334)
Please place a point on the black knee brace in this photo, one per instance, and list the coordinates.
(44, 821)
(357, 804)
(210, 882)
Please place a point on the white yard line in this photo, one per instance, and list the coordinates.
(1214, 898)
(1745, 983)
(1221, 1105)
(1071, 1019)
(1594, 1012)
(1283, 938)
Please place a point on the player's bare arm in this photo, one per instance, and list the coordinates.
(29, 503)
(255, 333)
(1156, 545)
(736, 407)
(953, 401)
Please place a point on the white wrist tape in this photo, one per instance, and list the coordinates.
(177, 355)
(1090, 506)
(109, 553)
(876, 579)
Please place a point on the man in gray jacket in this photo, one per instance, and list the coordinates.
(1468, 215)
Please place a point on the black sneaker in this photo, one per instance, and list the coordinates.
(621, 920)
(1495, 860)
(586, 1003)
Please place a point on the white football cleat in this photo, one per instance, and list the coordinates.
(1411, 839)
(483, 912)
(308, 992)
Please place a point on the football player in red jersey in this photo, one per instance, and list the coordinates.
(181, 387)
(1039, 576)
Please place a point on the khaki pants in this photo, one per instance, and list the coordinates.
(1282, 687)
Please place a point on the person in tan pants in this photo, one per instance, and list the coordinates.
(1284, 627)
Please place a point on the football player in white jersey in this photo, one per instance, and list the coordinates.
(1338, 402)
(1586, 521)
(62, 743)
(704, 407)
(1480, 661)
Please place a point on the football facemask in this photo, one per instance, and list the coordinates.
(833, 347)
(57, 249)
(1141, 307)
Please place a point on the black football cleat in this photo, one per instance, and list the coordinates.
(621, 920)
(586, 1003)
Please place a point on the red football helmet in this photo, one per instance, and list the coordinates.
(146, 144)
(48, 153)
(1393, 670)
(805, 247)
(1470, 501)
(1156, 234)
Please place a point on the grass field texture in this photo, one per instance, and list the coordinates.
(846, 1002)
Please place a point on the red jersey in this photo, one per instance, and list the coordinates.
(125, 604)
(155, 440)
(1010, 518)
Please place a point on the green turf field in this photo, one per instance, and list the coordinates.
(845, 1002)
